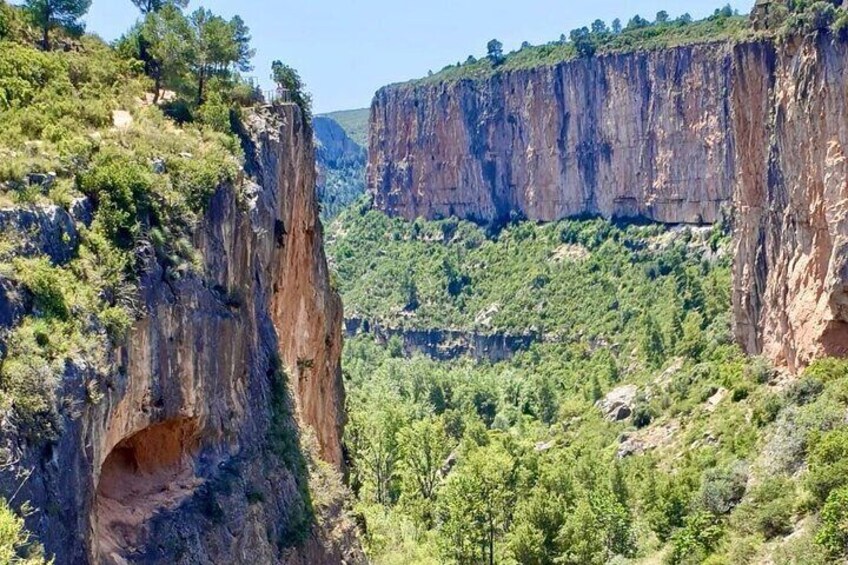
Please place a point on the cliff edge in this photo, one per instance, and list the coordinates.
(217, 439)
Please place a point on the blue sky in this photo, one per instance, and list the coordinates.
(346, 49)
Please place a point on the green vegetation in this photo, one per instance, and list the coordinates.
(514, 462)
(572, 280)
(354, 122)
(147, 178)
(16, 544)
(342, 163)
(51, 14)
(638, 35)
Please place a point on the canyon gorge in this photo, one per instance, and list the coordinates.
(750, 134)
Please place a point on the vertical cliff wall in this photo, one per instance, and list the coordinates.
(632, 135)
(191, 450)
(790, 111)
(675, 135)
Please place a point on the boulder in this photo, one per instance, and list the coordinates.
(618, 404)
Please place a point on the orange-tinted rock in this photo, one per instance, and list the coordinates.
(639, 134)
(791, 257)
(675, 135)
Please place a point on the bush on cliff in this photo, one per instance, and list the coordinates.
(16, 544)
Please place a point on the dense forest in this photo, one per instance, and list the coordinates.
(632, 430)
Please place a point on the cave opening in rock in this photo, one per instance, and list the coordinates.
(147, 473)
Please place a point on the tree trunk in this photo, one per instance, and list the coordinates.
(200, 84)
(157, 85)
(45, 37)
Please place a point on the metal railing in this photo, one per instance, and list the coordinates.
(278, 96)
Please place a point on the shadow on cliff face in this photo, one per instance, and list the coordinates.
(284, 442)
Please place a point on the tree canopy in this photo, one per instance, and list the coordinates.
(49, 14)
(148, 6)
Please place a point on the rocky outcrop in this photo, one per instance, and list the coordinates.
(333, 147)
(628, 135)
(186, 446)
(675, 135)
(445, 345)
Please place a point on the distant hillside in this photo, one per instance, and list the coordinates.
(341, 163)
(354, 122)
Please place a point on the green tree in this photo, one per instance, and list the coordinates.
(694, 542)
(833, 531)
(582, 537)
(494, 50)
(218, 48)
(599, 27)
(828, 464)
(164, 45)
(424, 446)
(583, 42)
(691, 344)
(373, 443)
(50, 14)
(149, 6)
(288, 78)
(651, 341)
(476, 505)
(16, 542)
(616, 26)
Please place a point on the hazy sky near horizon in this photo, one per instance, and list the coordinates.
(346, 49)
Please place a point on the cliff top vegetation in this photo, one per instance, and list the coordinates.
(641, 34)
(128, 142)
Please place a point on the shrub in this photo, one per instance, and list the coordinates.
(805, 391)
(833, 529)
(828, 464)
(47, 285)
(120, 188)
(766, 408)
(722, 489)
(642, 415)
(769, 508)
(827, 369)
(215, 113)
(694, 542)
(17, 546)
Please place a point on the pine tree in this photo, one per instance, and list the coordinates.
(150, 6)
(50, 14)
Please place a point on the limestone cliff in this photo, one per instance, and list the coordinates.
(675, 135)
(640, 134)
(790, 112)
(190, 451)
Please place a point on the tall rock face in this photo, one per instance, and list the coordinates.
(677, 135)
(790, 111)
(633, 135)
(193, 452)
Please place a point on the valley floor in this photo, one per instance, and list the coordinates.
(635, 431)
